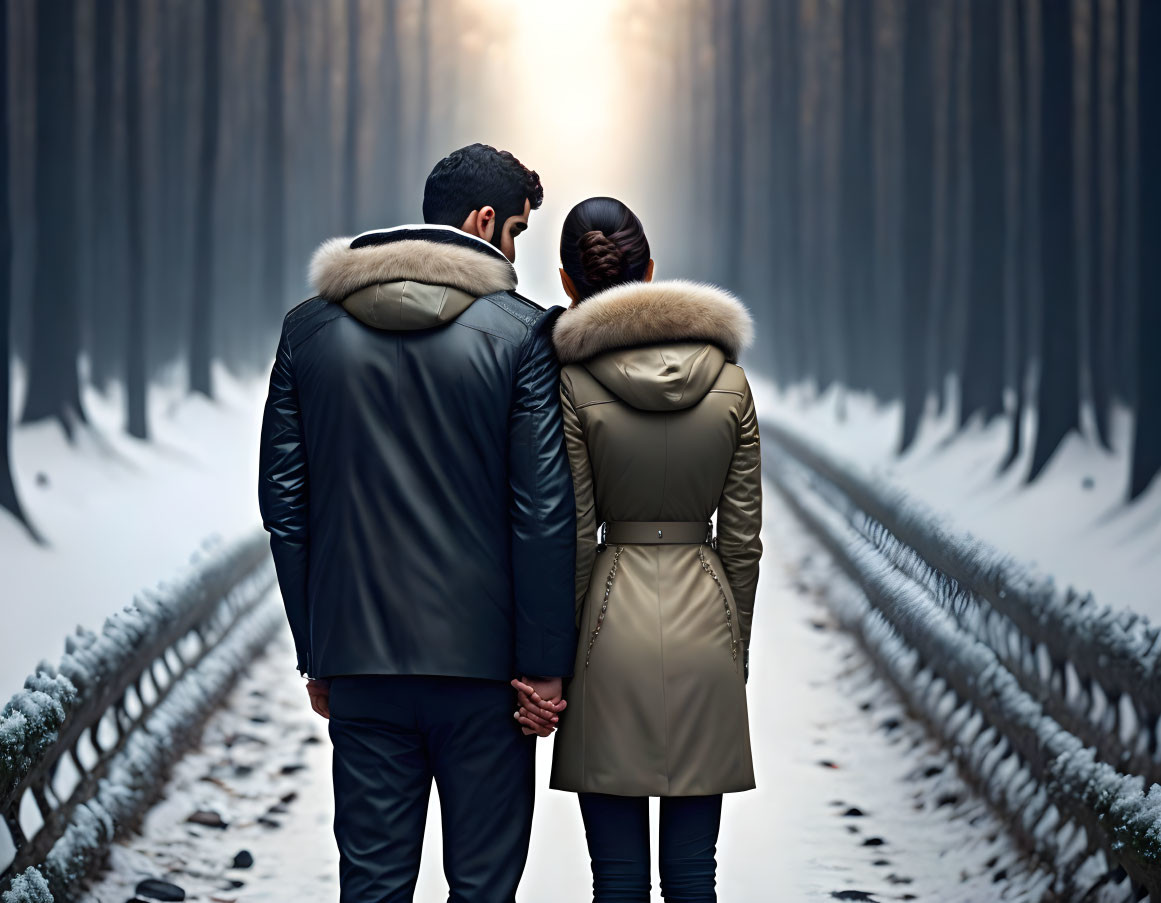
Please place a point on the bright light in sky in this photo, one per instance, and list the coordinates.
(568, 100)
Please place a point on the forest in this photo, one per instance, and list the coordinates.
(945, 203)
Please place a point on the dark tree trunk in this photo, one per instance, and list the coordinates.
(789, 253)
(350, 160)
(274, 159)
(1020, 220)
(943, 199)
(9, 500)
(918, 173)
(106, 303)
(54, 388)
(201, 325)
(857, 222)
(423, 120)
(1128, 263)
(1102, 293)
(1058, 407)
(736, 143)
(1147, 440)
(392, 128)
(982, 373)
(136, 376)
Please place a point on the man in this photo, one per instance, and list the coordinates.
(417, 492)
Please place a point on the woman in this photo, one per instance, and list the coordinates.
(661, 432)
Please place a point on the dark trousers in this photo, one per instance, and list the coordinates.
(617, 828)
(392, 736)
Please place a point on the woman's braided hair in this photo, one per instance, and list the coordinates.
(603, 244)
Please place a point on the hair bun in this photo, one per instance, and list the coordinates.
(602, 261)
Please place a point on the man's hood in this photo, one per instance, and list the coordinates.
(409, 277)
(658, 346)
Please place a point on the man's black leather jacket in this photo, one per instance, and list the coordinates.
(413, 475)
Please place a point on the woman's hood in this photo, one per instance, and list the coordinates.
(658, 346)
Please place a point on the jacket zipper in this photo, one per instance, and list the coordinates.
(709, 569)
(604, 604)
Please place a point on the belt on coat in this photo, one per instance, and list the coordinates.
(640, 532)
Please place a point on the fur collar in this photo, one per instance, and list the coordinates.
(646, 313)
(435, 255)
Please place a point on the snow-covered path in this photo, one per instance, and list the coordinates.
(853, 802)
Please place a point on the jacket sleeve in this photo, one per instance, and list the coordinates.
(283, 497)
(582, 485)
(542, 513)
(740, 517)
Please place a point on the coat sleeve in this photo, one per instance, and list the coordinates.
(542, 513)
(283, 497)
(740, 517)
(582, 484)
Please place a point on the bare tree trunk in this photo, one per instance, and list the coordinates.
(201, 325)
(350, 160)
(423, 121)
(274, 159)
(982, 373)
(1147, 440)
(136, 376)
(54, 389)
(918, 208)
(9, 499)
(943, 195)
(103, 278)
(1058, 409)
(857, 220)
(735, 137)
(1128, 259)
(1019, 222)
(788, 100)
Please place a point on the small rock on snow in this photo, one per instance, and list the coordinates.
(155, 889)
(207, 817)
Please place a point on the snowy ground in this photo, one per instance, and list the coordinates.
(1072, 522)
(119, 515)
(854, 803)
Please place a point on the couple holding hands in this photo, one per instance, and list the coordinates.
(463, 488)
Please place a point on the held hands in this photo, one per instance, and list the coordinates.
(541, 702)
(320, 695)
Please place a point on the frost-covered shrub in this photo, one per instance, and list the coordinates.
(28, 887)
(29, 724)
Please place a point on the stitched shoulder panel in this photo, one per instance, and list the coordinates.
(517, 306)
(582, 386)
(731, 379)
(304, 320)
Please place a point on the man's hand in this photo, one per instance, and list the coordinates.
(541, 702)
(320, 695)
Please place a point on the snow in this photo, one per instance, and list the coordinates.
(118, 514)
(1072, 522)
(829, 737)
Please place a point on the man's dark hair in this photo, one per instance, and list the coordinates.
(479, 176)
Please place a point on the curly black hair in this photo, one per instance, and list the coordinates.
(479, 176)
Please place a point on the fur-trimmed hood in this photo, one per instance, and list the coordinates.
(432, 255)
(658, 346)
(649, 313)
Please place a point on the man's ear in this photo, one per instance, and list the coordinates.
(481, 223)
(569, 287)
(648, 277)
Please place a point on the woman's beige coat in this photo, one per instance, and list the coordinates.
(660, 427)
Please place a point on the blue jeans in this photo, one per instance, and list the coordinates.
(617, 828)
